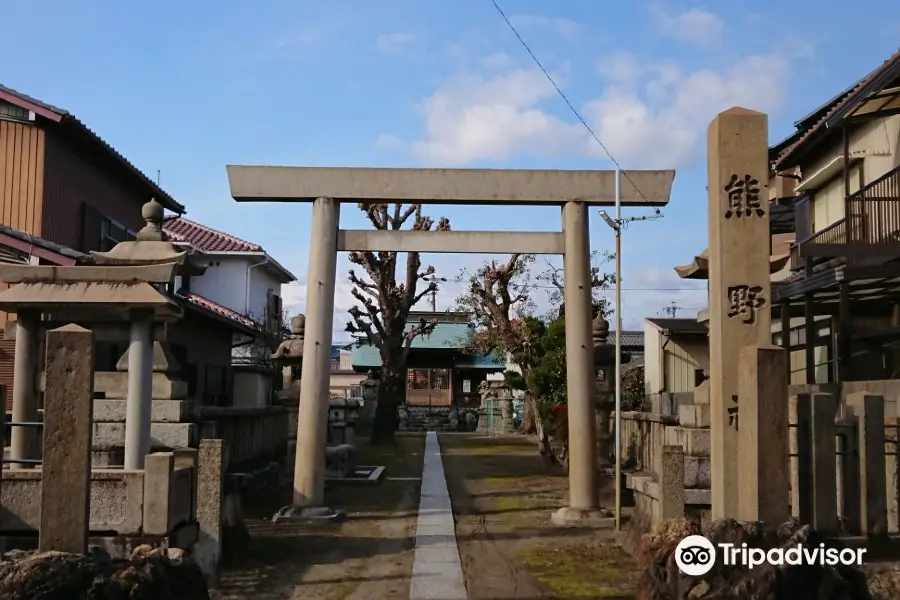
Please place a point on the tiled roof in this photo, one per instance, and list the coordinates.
(68, 119)
(216, 308)
(838, 103)
(205, 239)
(676, 325)
(32, 240)
(633, 339)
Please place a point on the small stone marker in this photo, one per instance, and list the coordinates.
(763, 436)
(211, 464)
(739, 287)
(824, 463)
(872, 468)
(672, 483)
(68, 414)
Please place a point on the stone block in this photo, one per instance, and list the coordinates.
(111, 436)
(162, 411)
(696, 472)
(115, 386)
(672, 483)
(116, 500)
(873, 480)
(695, 442)
(212, 460)
(158, 469)
(694, 415)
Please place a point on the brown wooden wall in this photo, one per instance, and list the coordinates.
(21, 206)
(81, 184)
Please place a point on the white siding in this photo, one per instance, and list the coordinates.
(261, 282)
(224, 282)
(876, 142)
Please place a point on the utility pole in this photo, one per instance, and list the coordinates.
(617, 224)
(433, 281)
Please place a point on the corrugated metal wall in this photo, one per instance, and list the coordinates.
(79, 184)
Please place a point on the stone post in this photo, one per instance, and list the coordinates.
(211, 461)
(672, 483)
(140, 391)
(158, 470)
(68, 415)
(872, 468)
(24, 439)
(802, 505)
(583, 477)
(763, 436)
(312, 425)
(739, 301)
(824, 463)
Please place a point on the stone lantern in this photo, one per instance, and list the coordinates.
(605, 386)
(343, 416)
(289, 355)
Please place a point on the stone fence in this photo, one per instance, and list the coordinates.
(254, 436)
(843, 459)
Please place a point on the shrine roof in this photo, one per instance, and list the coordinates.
(445, 336)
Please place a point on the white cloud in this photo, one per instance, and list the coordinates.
(648, 114)
(564, 27)
(498, 60)
(394, 44)
(695, 26)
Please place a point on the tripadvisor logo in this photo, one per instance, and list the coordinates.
(695, 555)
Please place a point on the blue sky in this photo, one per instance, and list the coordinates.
(188, 87)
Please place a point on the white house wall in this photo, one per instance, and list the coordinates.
(652, 359)
(877, 142)
(261, 281)
(224, 282)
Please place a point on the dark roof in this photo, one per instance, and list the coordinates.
(819, 120)
(680, 325)
(32, 240)
(336, 351)
(205, 239)
(65, 119)
(633, 339)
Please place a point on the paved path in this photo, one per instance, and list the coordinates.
(437, 573)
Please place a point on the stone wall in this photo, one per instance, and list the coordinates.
(435, 418)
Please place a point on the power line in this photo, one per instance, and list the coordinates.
(553, 287)
(566, 99)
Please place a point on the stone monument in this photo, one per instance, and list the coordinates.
(739, 288)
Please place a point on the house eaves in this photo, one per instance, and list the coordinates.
(68, 122)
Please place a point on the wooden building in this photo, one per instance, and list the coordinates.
(62, 183)
(844, 282)
(439, 371)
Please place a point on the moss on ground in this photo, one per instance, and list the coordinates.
(584, 570)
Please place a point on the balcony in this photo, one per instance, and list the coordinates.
(869, 233)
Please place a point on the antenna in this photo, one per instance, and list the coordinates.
(158, 175)
(672, 310)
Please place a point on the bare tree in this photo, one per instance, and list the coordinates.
(498, 298)
(384, 306)
(600, 281)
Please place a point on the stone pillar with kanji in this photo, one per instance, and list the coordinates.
(739, 288)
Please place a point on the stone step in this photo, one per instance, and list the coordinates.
(696, 472)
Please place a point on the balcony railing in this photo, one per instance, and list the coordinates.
(872, 221)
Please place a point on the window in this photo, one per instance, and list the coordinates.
(112, 232)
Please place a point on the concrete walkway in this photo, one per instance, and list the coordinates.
(437, 573)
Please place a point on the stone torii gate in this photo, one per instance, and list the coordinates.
(327, 187)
